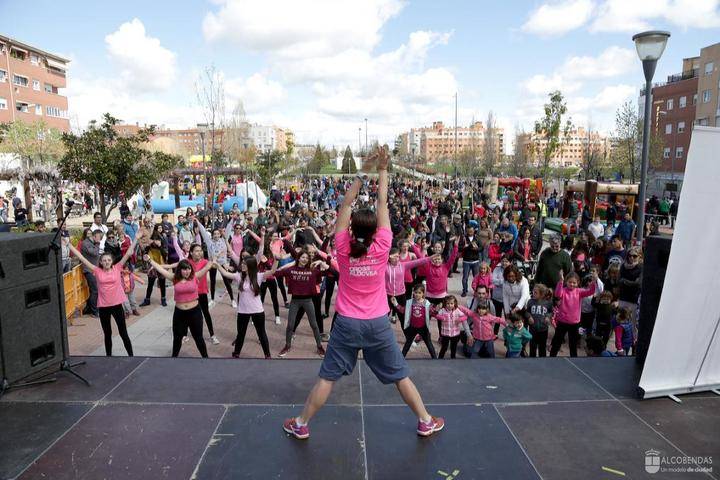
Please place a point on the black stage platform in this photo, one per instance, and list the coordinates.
(162, 418)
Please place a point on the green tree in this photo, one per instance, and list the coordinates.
(112, 163)
(549, 128)
(628, 138)
(348, 163)
(318, 160)
(37, 145)
(520, 161)
(268, 164)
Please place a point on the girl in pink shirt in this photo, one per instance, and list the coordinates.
(187, 314)
(452, 319)
(395, 278)
(249, 305)
(483, 278)
(417, 312)
(111, 294)
(567, 312)
(437, 277)
(407, 256)
(363, 239)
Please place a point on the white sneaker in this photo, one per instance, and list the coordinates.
(185, 339)
(211, 303)
(277, 320)
(234, 304)
(214, 340)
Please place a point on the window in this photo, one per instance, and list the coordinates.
(681, 127)
(55, 112)
(48, 88)
(709, 68)
(694, 98)
(679, 152)
(19, 54)
(3, 104)
(38, 110)
(20, 80)
(34, 59)
(702, 122)
(683, 102)
(3, 76)
(666, 152)
(668, 128)
(21, 107)
(669, 103)
(706, 96)
(36, 85)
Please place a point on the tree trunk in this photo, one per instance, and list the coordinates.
(176, 185)
(28, 199)
(59, 212)
(101, 194)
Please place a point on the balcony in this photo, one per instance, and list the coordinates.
(677, 77)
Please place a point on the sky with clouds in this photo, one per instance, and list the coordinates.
(320, 67)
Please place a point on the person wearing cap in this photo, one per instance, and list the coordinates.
(552, 261)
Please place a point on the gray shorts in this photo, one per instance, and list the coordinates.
(377, 341)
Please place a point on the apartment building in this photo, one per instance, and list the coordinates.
(672, 113)
(190, 140)
(573, 147)
(436, 143)
(707, 111)
(30, 85)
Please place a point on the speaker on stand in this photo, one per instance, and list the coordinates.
(33, 328)
(657, 254)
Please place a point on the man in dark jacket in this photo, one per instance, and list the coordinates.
(471, 249)
(536, 238)
(552, 260)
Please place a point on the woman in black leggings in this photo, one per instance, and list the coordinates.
(111, 294)
(187, 307)
(249, 305)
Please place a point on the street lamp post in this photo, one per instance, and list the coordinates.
(202, 128)
(359, 142)
(366, 144)
(650, 47)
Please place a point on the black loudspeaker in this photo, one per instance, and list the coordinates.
(33, 333)
(26, 258)
(656, 256)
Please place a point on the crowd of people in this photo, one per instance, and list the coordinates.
(518, 286)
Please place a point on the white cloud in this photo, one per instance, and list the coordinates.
(145, 65)
(257, 92)
(295, 29)
(89, 99)
(639, 15)
(570, 76)
(558, 18)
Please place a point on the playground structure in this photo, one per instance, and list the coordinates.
(598, 196)
(518, 189)
(247, 196)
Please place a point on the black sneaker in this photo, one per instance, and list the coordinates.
(145, 302)
(163, 302)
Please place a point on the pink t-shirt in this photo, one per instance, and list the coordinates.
(202, 281)
(186, 291)
(361, 286)
(247, 301)
(109, 285)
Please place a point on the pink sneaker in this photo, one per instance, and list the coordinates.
(426, 429)
(300, 432)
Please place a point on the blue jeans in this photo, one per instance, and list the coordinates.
(483, 348)
(510, 354)
(473, 267)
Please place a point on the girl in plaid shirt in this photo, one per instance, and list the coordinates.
(451, 320)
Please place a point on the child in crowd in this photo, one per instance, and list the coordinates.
(587, 308)
(624, 335)
(498, 279)
(437, 276)
(395, 279)
(484, 277)
(417, 312)
(451, 320)
(567, 313)
(604, 312)
(128, 282)
(538, 314)
(514, 334)
(594, 347)
(482, 341)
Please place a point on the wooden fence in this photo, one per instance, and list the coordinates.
(76, 292)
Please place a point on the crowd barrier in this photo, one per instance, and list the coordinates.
(76, 292)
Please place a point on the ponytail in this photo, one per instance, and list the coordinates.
(359, 247)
